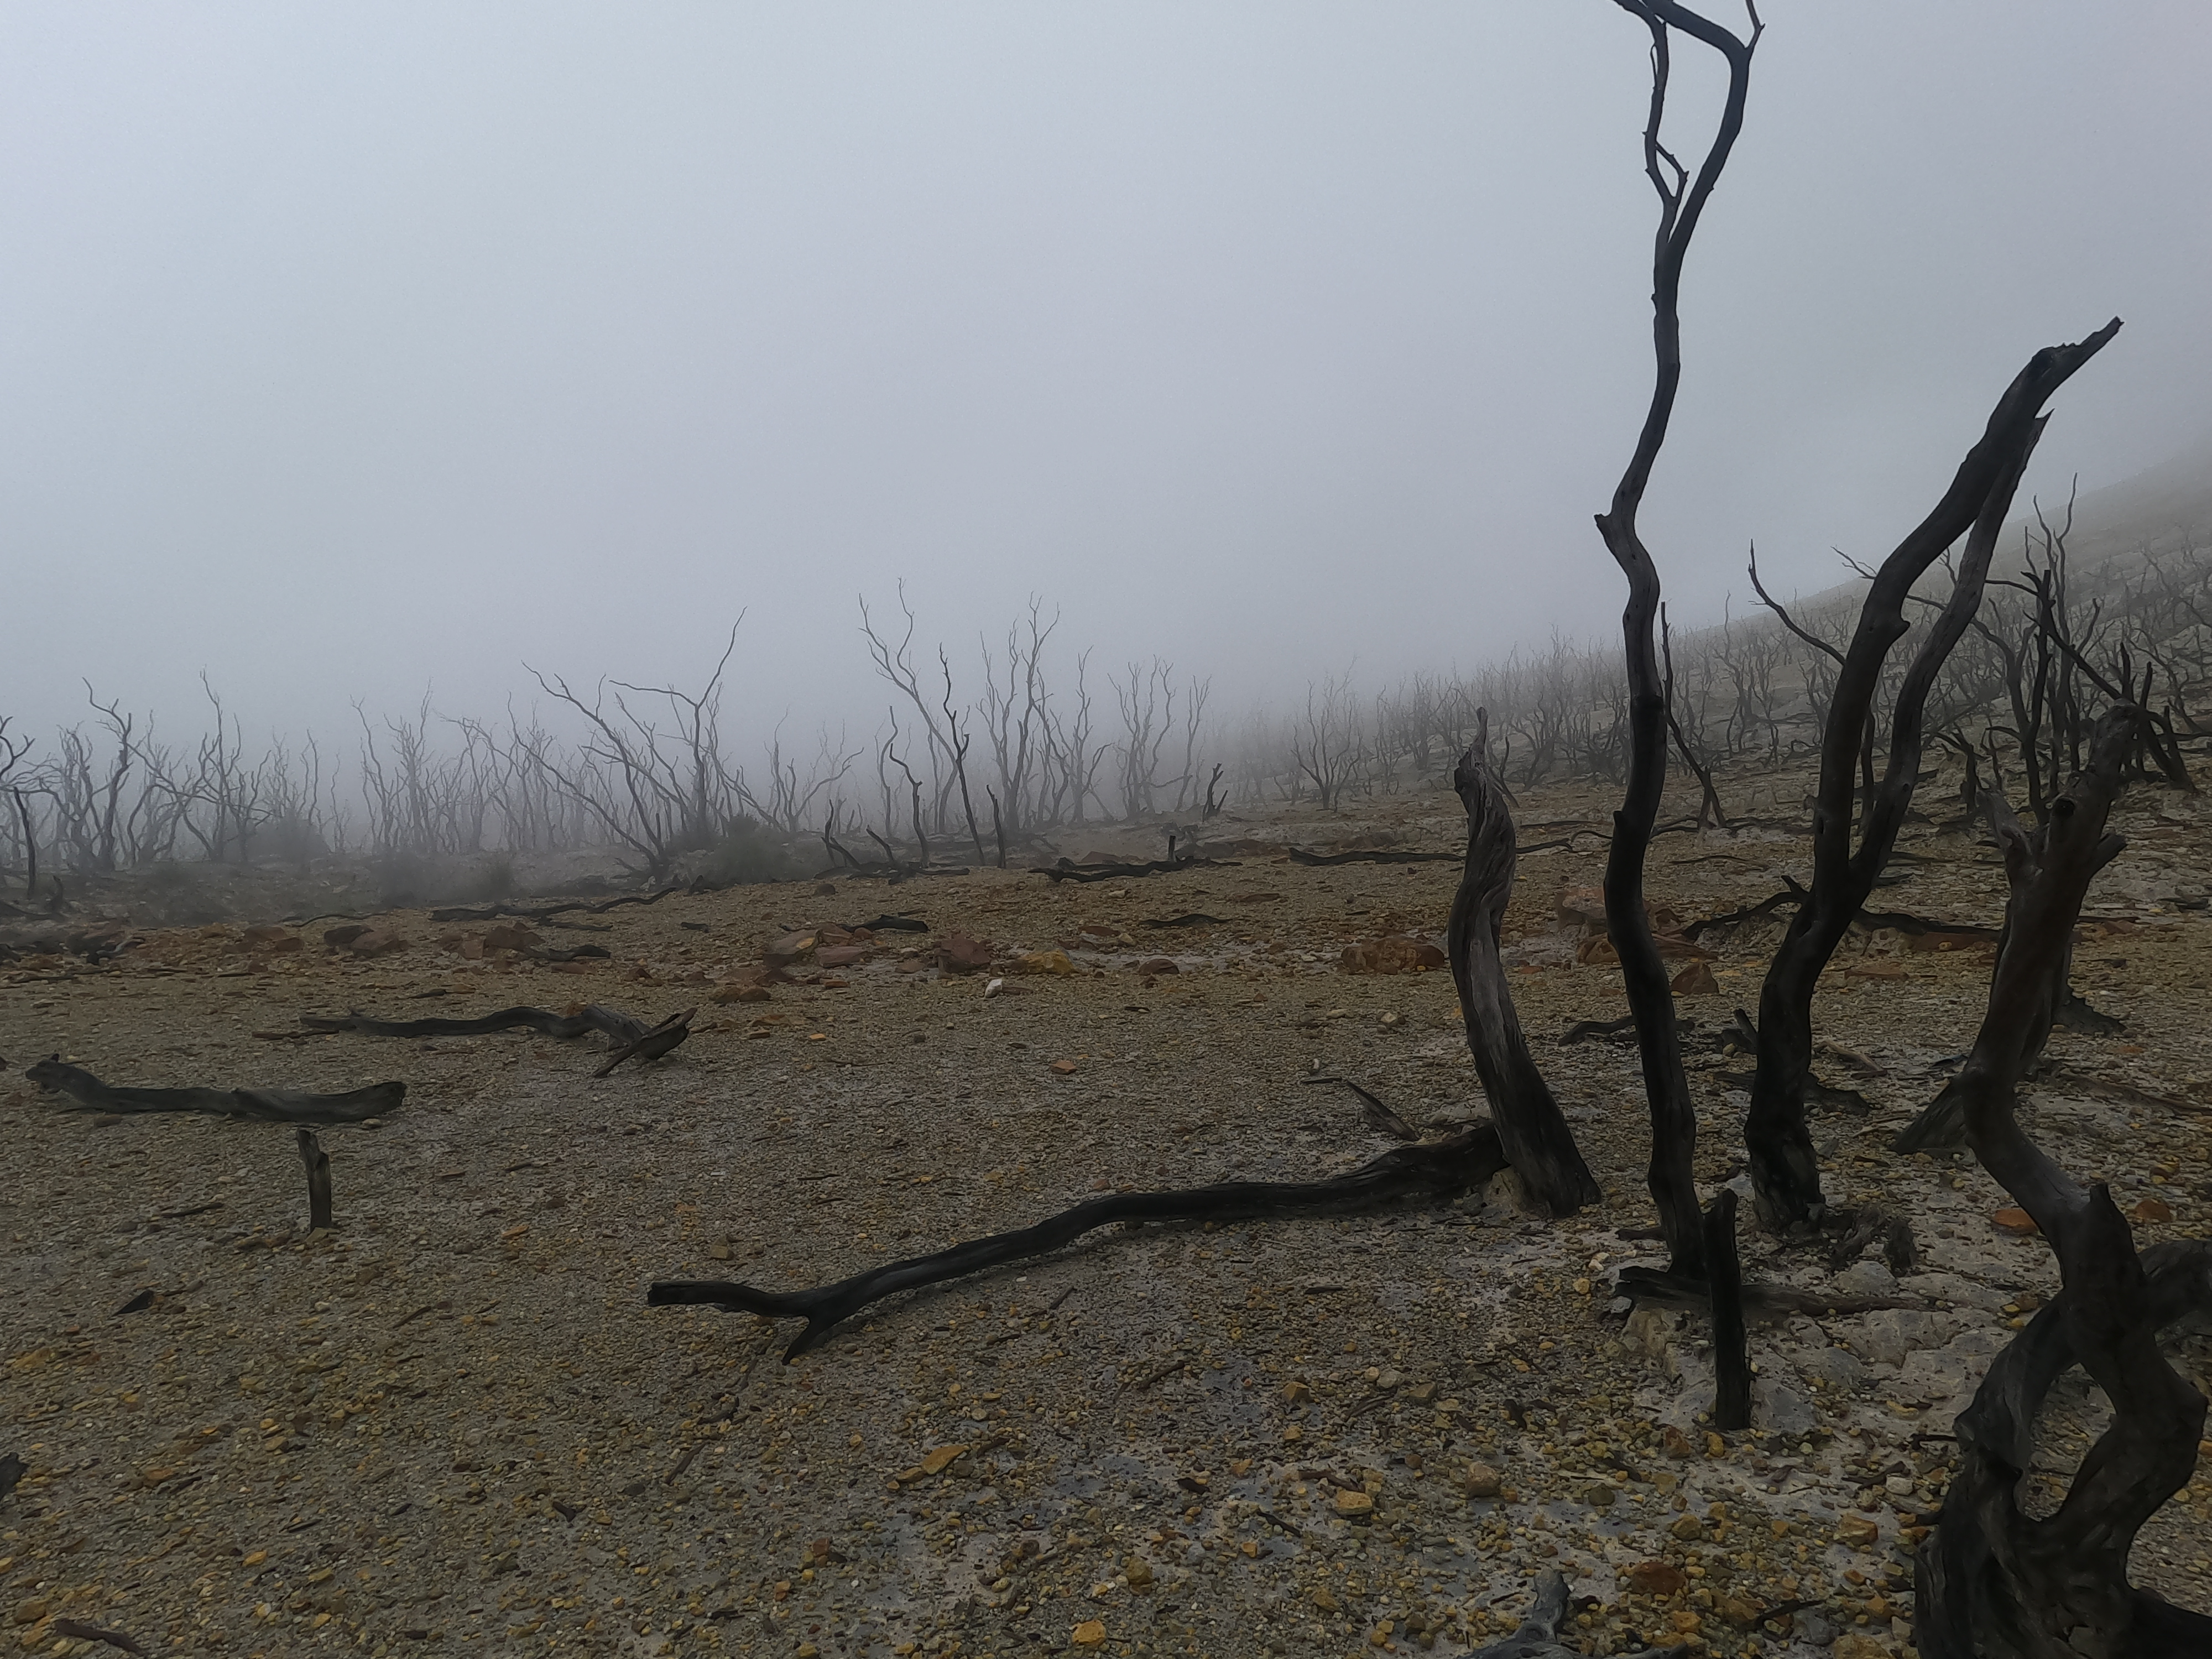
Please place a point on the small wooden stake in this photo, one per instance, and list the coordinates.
(319, 1181)
(1731, 1352)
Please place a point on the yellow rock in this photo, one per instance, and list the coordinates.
(1482, 1480)
(1138, 1572)
(1354, 1503)
(1088, 1634)
(1045, 961)
(1324, 1601)
(934, 1463)
(1715, 1446)
(1859, 1531)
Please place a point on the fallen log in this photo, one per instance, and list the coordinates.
(639, 1041)
(266, 1105)
(1653, 1287)
(1435, 1168)
(1328, 860)
(1068, 869)
(547, 912)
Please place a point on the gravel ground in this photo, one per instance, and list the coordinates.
(454, 1420)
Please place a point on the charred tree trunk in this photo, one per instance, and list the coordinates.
(319, 1181)
(1537, 1141)
(1850, 847)
(1731, 1347)
(1650, 997)
(1992, 1581)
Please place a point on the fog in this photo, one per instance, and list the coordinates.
(351, 352)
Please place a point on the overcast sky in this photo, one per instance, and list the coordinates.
(351, 350)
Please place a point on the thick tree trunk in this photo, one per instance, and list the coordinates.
(1537, 1141)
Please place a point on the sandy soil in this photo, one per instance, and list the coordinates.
(454, 1421)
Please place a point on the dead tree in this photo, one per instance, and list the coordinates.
(1531, 1127)
(1850, 847)
(1682, 201)
(1992, 1582)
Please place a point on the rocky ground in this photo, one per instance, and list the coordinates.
(454, 1420)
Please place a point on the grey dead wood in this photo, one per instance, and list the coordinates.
(319, 1181)
(268, 1105)
(1432, 1167)
(638, 1039)
(1530, 1126)
(1538, 1637)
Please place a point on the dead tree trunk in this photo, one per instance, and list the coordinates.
(1650, 998)
(1537, 1141)
(1731, 1346)
(1992, 1582)
(319, 1181)
(1784, 1172)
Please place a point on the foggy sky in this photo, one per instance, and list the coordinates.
(351, 351)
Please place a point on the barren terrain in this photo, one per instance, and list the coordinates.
(454, 1420)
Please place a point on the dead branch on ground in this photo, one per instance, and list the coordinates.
(639, 1040)
(1438, 1167)
(266, 1105)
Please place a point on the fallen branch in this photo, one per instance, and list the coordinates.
(544, 1021)
(547, 912)
(1324, 861)
(1653, 1287)
(1067, 870)
(267, 1105)
(654, 1043)
(1438, 1169)
(1538, 1635)
(77, 1631)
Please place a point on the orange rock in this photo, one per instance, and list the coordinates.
(1859, 1531)
(1655, 1578)
(1064, 1068)
(2013, 1220)
(2147, 1208)
(1697, 981)
(1395, 955)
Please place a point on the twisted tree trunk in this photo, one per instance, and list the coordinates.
(1992, 1581)
(1537, 1142)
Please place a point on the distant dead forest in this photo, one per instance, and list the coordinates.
(1024, 739)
